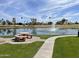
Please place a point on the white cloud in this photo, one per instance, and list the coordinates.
(52, 7)
(58, 5)
(8, 3)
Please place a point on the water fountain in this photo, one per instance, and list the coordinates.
(53, 28)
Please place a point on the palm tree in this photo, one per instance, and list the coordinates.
(64, 20)
(3, 22)
(14, 21)
(33, 20)
(8, 22)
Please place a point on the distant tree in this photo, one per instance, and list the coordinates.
(14, 21)
(49, 23)
(50, 17)
(2, 19)
(8, 22)
(76, 22)
(21, 17)
(3, 22)
(58, 22)
(26, 23)
(63, 21)
(33, 20)
(19, 23)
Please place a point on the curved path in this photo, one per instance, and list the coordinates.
(46, 51)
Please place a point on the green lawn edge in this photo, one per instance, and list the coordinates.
(19, 50)
(66, 47)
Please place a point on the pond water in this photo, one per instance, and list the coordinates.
(38, 31)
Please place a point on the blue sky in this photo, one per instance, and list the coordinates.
(40, 9)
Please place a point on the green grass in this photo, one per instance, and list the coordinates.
(45, 36)
(19, 50)
(66, 47)
(7, 36)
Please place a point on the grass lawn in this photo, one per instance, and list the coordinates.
(66, 47)
(19, 50)
(45, 36)
(7, 36)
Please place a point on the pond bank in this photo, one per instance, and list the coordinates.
(26, 26)
(69, 26)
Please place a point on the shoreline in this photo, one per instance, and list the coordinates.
(71, 26)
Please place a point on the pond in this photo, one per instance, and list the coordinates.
(38, 31)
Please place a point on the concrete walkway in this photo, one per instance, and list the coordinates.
(46, 51)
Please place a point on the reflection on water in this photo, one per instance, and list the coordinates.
(38, 31)
(34, 31)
